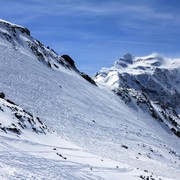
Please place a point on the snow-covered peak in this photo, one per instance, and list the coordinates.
(124, 62)
(152, 60)
(138, 65)
(155, 77)
(166, 70)
(152, 56)
(129, 62)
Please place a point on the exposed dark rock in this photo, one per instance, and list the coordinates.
(176, 132)
(89, 79)
(21, 120)
(2, 95)
(9, 101)
(128, 58)
(18, 115)
(68, 59)
(23, 30)
(14, 130)
(36, 51)
(124, 146)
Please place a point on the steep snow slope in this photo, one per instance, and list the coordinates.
(19, 38)
(96, 120)
(29, 150)
(151, 82)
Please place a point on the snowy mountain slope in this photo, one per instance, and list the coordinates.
(150, 82)
(48, 153)
(26, 145)
(20, 39)
(96, 120)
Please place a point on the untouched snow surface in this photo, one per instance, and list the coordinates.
(97, 136)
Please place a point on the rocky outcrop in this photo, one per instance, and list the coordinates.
(19, 120)
(69, 60)
(89, 79)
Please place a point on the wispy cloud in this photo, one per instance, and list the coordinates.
(129, 10)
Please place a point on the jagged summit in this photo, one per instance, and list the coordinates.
(138, 65)
(143, 63)
(124, 62)
(154, 78)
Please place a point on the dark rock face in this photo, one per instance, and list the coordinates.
(35, 50)
(69, 60)
(2, 95)
(154, 86)
(89, 79)
(157, 109)
(123, 62)
(128, 58)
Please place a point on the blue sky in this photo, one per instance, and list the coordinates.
(97, 32)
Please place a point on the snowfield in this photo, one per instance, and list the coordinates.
(91, 132)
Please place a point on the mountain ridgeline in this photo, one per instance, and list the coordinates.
(19, 37)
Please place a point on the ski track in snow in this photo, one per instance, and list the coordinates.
(22, 164)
